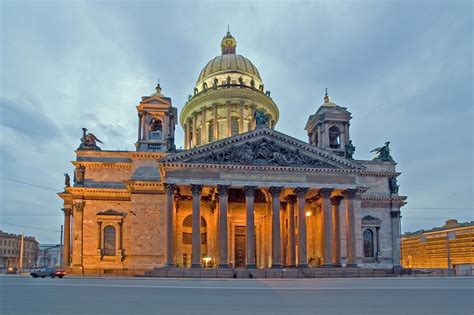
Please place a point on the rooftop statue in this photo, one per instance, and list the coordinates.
(88, 141)
(261, 119)
(67, 180)
(350, 149)
(382, 153)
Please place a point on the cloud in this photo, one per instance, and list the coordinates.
(28, 119)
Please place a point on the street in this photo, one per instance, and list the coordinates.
(25, 295)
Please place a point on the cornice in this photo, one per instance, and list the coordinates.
(144, 187)
(149, 155)
(91, 165)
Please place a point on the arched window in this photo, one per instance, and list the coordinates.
(368, 243)
(234, 126)
(109, 241)
(334, 137)
(156, 129)
(210, 131)
(187, 232)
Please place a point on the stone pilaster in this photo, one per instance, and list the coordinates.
(196, 226)
(223, 233)
(169, 231)
(336, 231)
(276, 237)
(302, 248)
(395, 220)
(215, 121)
(78, 234)
(349, 195)
(67, 237)
(249, 199)
(291, 200)
(327, 226)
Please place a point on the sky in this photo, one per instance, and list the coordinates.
(402, 68)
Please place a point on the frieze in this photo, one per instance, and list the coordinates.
(263, 177)
(261, 152)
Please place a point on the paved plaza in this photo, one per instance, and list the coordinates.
(24, 295)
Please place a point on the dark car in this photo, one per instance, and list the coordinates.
(48, 272)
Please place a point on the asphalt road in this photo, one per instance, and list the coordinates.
(24, 295)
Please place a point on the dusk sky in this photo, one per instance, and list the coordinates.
(403, 69)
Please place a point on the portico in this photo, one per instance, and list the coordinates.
(256, 221)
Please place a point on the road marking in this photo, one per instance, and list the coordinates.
(232, 288)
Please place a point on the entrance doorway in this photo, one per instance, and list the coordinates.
(240, 246)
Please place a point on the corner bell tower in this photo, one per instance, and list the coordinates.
(156, 123)
(328, 128)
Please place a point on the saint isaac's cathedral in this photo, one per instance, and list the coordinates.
(239, 195)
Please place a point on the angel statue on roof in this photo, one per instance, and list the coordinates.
(88, 141)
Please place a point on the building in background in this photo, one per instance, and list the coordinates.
(49, 255)
(240, 194)
(10, 245)
(429, 249)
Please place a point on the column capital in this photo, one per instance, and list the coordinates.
(196, 189)
(350, 193)
(301, 192)
(67, 211)
(291, 199)
(223, 190)
(79, 206)
(250, 191)
(283, 205)
(275, 191)
(336, 200)
(325, 192)
(140, 114)
(170, 188)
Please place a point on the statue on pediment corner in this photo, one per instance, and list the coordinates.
(349, 150)
(382, 153)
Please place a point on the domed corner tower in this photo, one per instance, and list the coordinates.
(227, 93)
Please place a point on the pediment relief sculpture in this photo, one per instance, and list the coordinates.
(261, 152)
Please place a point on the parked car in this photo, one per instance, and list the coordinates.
(48, 272)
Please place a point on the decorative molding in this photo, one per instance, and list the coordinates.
(326, 192)
(95, 165)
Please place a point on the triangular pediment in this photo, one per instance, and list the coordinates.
(262, 147)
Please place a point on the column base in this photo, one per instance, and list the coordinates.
(196, 266)
(223, 266)
(351, 266)
(338, 265)
(328, 266)
(168, 265)
(250, 266)
(302, 265)
(291, 266)
(276, 266)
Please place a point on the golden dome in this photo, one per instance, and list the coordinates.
(228, 63)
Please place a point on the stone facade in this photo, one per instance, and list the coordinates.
(248, 198)
(10, 247)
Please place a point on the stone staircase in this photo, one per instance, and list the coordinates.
(290, 273)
